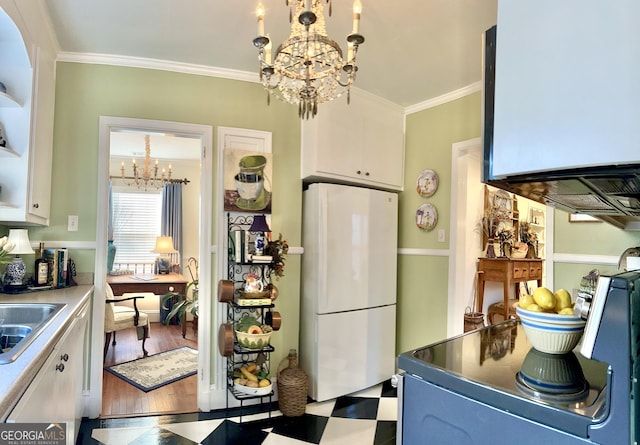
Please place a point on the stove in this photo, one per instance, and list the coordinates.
(490, 386)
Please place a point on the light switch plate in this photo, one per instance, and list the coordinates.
(441, 235)
(72, 223)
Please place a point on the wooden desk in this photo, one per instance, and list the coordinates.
(159, 285)
(507, 271)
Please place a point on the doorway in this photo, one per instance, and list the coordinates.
(467, 209)
(465, 240)
(204, 135)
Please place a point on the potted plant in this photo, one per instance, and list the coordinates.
(186, 304)
(277, 249)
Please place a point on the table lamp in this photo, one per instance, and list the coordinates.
(14, 274)
(260, 227)
(164, 246)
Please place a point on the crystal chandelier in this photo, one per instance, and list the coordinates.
(308, 68)
(146, 176)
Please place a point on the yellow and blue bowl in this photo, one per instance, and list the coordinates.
(549, 332)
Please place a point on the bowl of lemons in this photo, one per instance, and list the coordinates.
(549, 321)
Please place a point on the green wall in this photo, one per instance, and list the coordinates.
(85, 92)
(586, 238)
(423, 287)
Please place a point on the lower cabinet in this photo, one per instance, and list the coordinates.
(55, 394)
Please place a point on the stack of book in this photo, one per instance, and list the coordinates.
(58, 260)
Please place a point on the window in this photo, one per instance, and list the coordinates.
(136, 224)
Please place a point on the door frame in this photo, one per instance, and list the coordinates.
(462, 228)
(93, 403)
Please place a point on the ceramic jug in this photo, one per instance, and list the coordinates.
(253, 284)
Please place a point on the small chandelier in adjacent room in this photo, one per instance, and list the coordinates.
(308, 68)
(146, 176)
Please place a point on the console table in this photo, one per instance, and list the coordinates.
(156, 284)
(509, 272)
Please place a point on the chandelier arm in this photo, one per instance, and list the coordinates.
(169, 181)
(344, 85)
(298, 62)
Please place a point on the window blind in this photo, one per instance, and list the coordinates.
(136, 224)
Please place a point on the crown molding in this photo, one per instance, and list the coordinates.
(448, 97)
(204, 70)
(155, 64)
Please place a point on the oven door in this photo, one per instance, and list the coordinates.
(433, 415)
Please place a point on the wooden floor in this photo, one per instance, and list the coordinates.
(121, 399)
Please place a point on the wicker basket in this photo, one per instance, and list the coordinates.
(473, 320)
(293, 385)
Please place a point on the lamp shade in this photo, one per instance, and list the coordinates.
(259, 224)
(164, 244)
(20, 238)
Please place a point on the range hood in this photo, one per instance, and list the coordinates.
(561, 106)
(611, 194)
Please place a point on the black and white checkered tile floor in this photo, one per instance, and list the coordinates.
(367, 417)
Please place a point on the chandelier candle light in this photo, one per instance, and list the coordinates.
(308, 68)
(146, 177)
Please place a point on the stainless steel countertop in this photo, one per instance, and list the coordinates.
(15, 377)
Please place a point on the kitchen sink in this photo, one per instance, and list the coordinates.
(20, 324)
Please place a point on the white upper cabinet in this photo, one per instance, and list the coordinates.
(27, 69)
(359, 143)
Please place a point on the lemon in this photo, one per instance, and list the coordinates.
(563, 299)
(525, 300)
(566, 311)
(534, 307)
(544, 298)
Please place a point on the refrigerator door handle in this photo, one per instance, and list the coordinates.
(322, 251)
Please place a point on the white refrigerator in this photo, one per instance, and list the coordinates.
(349, 274)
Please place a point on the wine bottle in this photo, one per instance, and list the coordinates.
(41, 268)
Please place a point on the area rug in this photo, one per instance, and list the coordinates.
(157, 370)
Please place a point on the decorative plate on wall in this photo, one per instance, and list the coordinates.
(426, 216)
(427, 183)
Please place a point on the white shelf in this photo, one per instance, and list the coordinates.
(7, 101)
(6, 205)
(8, 152)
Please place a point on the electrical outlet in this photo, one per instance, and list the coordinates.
(72, 223)
(441, 235)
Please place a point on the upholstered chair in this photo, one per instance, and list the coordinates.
(118, 317)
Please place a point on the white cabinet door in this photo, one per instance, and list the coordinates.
(41, 146)
(357, 143)
(383, 148)
(56, 391)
